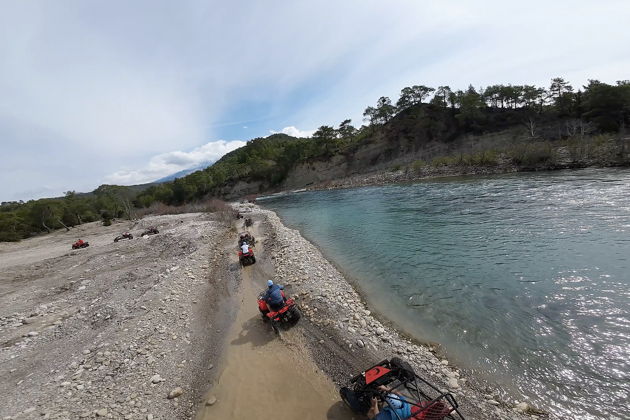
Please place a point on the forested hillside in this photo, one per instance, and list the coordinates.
(425, 127)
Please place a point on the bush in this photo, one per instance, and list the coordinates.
(107, 222)
(532, 154)
(444, 161)
(418, 165)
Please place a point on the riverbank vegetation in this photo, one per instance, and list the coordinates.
(519, 126)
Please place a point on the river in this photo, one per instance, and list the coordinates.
(521, 278)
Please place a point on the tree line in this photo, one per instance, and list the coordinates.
(595, 107)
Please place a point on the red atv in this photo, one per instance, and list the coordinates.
(125, 235)
(150, 231)
(391, 379)
(246, 259)
(289, 314)
(80, 244)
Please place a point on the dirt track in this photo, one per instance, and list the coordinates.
(263, 374)
(110, 330)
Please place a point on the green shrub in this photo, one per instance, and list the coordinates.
(532, 154)
(444, 161)
(418, 165)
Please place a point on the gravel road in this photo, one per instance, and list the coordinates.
(125, 330)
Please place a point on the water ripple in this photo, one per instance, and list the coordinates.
(523, 278)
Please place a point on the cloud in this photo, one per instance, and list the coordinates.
(107, 84)
(169, 163)
(294, 131)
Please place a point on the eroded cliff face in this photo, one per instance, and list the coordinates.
(306, 174)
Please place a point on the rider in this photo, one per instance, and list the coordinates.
(397, 406)
(245, 248)
(273, 296)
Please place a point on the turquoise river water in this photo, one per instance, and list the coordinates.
(523, 279)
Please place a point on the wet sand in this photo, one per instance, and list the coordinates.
(263, 374)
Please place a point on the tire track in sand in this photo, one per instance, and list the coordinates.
(263, 375)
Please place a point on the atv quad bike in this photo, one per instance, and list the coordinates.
(80, 244)
(125, 235)
(289, 314)
(246, 259)
(246, 237)
(150, 231)
(427, 401)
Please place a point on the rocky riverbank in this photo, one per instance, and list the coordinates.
(125, 330)
(346, 336)
(399, 176)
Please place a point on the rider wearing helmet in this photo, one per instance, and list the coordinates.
(395, 407)
(273, 296)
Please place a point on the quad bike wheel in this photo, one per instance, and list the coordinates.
(116, 239)
(405, 368)
(274, 327)
(253, 259)
(295, 315)
(349, 397)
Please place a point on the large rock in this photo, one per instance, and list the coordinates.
(101, 412)
(175, 393)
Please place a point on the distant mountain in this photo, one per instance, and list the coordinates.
(183, 173)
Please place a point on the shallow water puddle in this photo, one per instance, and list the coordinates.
(266, 376)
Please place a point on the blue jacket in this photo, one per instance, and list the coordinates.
(387, 413)
(274, 294)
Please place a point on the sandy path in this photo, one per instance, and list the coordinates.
(265, 375)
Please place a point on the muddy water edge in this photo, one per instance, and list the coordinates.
(263, 374)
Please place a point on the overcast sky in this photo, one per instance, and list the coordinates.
(127, 92)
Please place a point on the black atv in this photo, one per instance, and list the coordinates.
(125, 235)
(246, 237)
(150, 231)
(394, 380)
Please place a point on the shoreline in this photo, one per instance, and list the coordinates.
(407, 175)
(363, 336)
(403, 176)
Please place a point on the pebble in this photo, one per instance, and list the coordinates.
(360, 343)
(175, 393)
(101, 412)
(453, 383)
(211, 400)
(522, 407)
(33, 334)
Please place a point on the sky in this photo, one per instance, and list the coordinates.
(95, 92)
